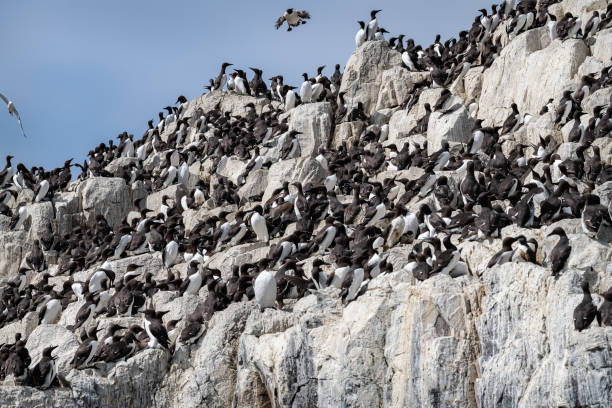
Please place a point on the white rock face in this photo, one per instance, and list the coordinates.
(601, 49)
(529, 71)
(530, 353)
(401, 123)
(494, 337)
(41, 216)
(230, 102)
(362, 77)
(396, 85)
(346, 132)
(452, 127)
(12, 251)
(109, 197)
(315, 121)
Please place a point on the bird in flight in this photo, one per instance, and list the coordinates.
(13, 111)
(293, 18)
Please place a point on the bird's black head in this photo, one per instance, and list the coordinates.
(557, 231)
(591, 199)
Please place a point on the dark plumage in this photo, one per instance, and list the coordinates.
(585, 312)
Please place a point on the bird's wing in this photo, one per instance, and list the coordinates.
(279, 22)
(20, 124)
(303, 14)
(4, 98)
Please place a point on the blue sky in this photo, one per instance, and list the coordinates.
(81, 72)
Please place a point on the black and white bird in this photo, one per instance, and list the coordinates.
(293, 18)
(586, 311)
(44, 373)
(361, 35)
(13, 111)
(373, 25)
(561, 252)
(593, 215)
(503, 255)
(158, 336)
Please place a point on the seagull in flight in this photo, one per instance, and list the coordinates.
(293, 18)
(13, 111)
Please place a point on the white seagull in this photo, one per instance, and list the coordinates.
(13, 111)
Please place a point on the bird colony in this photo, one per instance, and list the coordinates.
(429, 227)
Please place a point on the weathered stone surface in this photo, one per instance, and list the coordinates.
(174, 193)
(67, 212)
(48, 335)
(232, 168)
(40, 217)
(315, 121)
(605, 148)
(24, 326)
(208, 377)
(601, 49)
(601, 97)
(579, 8)
(591, 65)
(472, 84)
(530, 353)
(382, 116)
(302, 170)
(495, 337)
(396, 85)
(109, 197)
(346, 132)
(230, 102)
(452, 127)
(12, 252)
(368, 338)
(363, 73)
(430, 96)
(120, 162)
(400, 125)
(528, 72)
(255, 185)
(538, 127)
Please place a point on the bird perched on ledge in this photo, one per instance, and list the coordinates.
(293, 18)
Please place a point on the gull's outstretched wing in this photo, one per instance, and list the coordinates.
(279, 22)
(303, 14)
(13, 110)
(20, 124)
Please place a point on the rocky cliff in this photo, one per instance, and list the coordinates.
(499, 336)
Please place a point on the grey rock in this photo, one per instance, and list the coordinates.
(347, 132)
(396, 85)
(255, 184)
(362, 78)
(109, 197)
(452, 127)
(40, 217)
(601, 49)
(12, 252)
(174, 193)
(119, 163)
(400, 125)
(528, 72)
(230, 101)
(315, 121)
